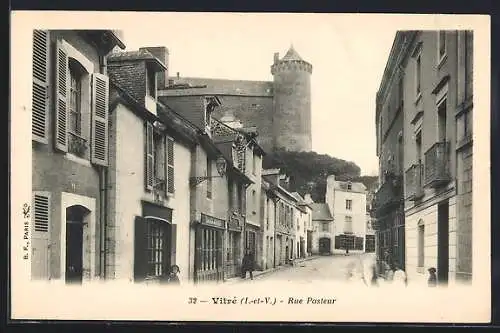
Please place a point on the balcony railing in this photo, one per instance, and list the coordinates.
(437, 165)
(413, 183)
(77, 145)
(388, 195)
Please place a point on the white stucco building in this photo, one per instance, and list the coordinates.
(347, 203)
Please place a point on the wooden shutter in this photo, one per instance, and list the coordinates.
(148, 156)
(40, 93)
(40, 236)
(100, 114)
(140, 249)
(62, 98)
(170, 166)
(173, 244)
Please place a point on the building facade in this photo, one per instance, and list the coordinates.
(347, 203)
(70, 152)
(388, 203)
(434, 69)
(280, 109)
(148, 208)
(268, 218)
(286, 210)
(323, 235)
(303, 224)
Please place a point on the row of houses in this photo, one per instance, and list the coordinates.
(126, 185)
(423, 207)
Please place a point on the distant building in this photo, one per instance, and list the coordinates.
(347, 202)
(286, 212)
(323, 236)
(303, 221)
(280, 109)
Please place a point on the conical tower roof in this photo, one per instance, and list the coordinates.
(291, 54)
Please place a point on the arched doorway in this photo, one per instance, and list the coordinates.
(324, 245)
(75, 221)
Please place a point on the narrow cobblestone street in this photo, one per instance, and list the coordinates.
(333, 267)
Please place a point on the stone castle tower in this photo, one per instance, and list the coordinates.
(291, 117)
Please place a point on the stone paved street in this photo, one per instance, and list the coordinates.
(323, 268)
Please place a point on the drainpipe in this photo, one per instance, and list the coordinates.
(103, 196)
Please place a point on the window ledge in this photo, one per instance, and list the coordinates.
(77, 159)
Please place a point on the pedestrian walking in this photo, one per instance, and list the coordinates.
(432, 281)
(373, 280)
(400, 277)
(247, 264)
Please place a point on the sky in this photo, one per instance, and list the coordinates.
(347, 54)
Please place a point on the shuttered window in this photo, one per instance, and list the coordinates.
(41, 210)
(62, 98)
(159, 156)
(148, 156)
(40, 95)
(170, 166)
(100, 99)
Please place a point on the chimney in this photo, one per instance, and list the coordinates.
(276, 57)
(178, 75)
(160, 52)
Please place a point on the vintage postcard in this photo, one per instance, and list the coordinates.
(250, 167)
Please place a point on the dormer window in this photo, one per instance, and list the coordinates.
(349, 186)
(210, 104)
(151, 82)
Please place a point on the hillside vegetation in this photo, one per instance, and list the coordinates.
(308, 171)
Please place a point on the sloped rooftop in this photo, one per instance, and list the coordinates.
(321, 212)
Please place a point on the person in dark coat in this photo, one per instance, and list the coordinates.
(432, 281)
(172, 277)
(247, 265)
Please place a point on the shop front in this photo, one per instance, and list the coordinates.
(209, 245)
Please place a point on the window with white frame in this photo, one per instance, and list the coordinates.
(159, 160)
(156, 247)
(421, 243)
(348, 224)
(325, 226)
(349, 186)
(75, 96)
(348, 204)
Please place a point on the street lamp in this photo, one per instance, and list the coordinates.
(221, 166)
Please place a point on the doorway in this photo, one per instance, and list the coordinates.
(443, 242)
(75, 221)
(324, 245)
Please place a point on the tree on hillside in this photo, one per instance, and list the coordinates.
(308, 171)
